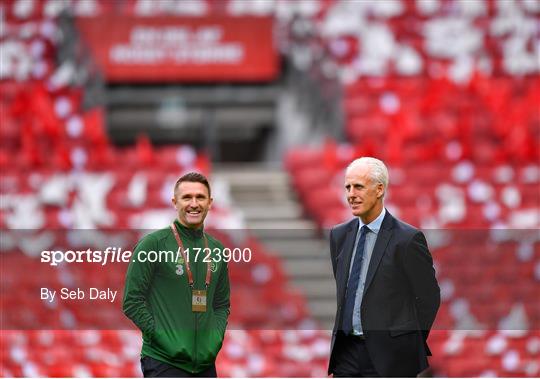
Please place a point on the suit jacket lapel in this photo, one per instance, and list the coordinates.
(346, 254)
(380, 247)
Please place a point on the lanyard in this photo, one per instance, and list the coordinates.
(188, 269)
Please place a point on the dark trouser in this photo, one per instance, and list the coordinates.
(351, 358)
(152, 368)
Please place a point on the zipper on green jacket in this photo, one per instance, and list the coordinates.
(196, 329)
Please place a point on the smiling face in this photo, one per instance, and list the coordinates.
(364, 194)
(192, 201)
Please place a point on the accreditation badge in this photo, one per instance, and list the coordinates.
(198, 302)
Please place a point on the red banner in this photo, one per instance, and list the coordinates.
(182, 49)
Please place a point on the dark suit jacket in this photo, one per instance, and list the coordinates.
(401, 295)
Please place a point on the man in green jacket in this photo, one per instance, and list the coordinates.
(177, 289)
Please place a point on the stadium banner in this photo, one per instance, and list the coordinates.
(198, 49)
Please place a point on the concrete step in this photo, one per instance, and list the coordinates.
(302, 248)
(309, 269)
(321, 289)
(283, 225)
(269, 199)
(257, 212)
(255, 179)
(324, 311)
(292, 254)
(260, 187)
(282, 229)
(266, 235)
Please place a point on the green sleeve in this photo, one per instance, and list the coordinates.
(138, 281)
(222, 303)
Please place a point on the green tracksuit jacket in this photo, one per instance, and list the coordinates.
(157, 298)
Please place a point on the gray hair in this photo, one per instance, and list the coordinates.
(378, 171)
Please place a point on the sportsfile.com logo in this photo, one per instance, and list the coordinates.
(118, 255)
(109, 255)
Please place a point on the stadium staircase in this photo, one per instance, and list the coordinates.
(273, 213)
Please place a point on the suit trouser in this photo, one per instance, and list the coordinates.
(351, 357)
(152, 368)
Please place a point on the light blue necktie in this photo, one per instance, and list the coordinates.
(354, 279)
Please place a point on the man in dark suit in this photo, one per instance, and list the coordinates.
(387, 293)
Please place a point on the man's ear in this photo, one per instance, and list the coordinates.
(210, 203)
(380, 190)
(173, 200)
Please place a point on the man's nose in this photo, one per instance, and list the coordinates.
(193, 202)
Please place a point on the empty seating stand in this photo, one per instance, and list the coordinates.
(460, 136)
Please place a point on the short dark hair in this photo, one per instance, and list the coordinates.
(196, 177)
